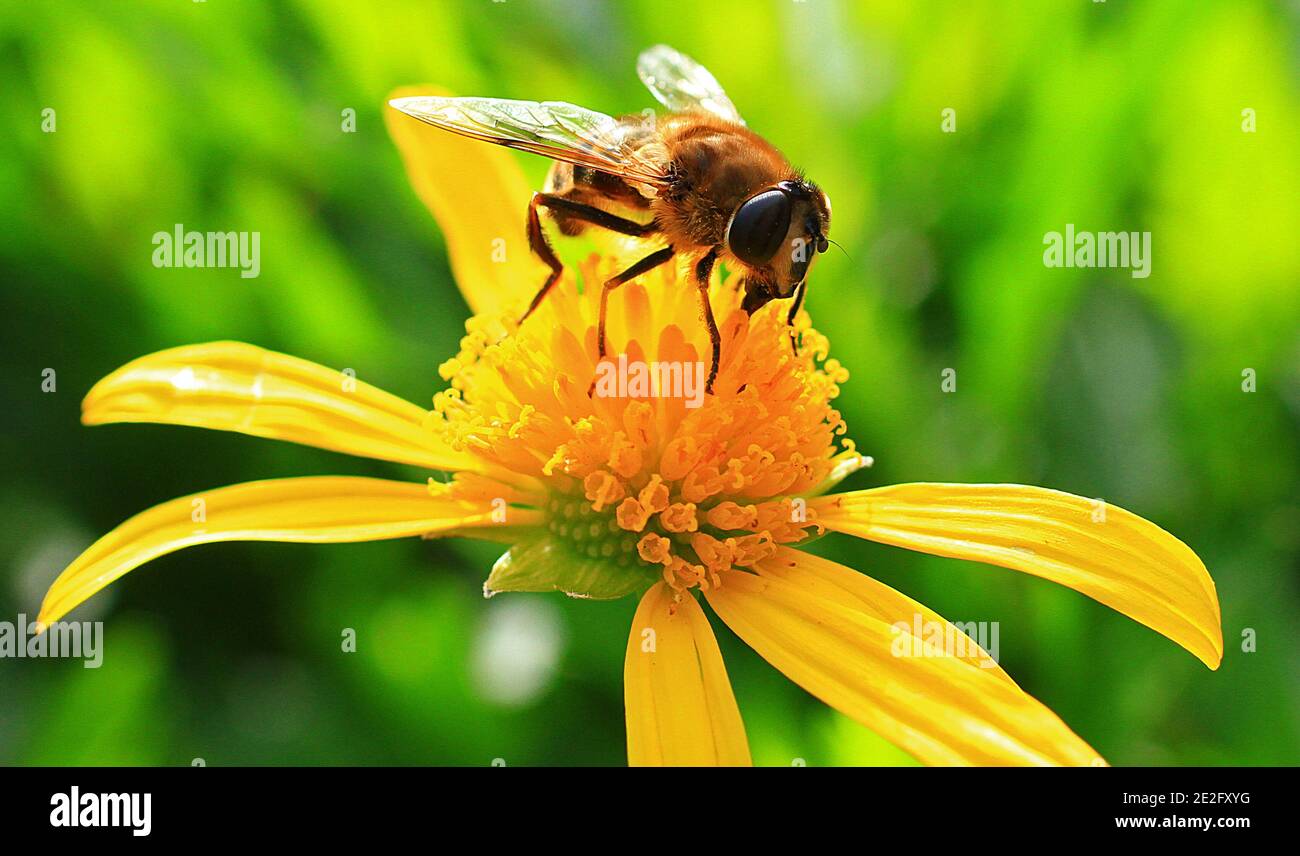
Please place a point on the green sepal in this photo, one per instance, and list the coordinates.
(547, 563)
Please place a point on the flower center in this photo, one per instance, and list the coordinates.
(646, 473)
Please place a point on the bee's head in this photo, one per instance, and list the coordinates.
(778, 230)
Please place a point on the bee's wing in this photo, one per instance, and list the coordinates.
(554, 129)
(680, 83)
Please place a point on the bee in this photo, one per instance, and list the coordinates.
(713, 189)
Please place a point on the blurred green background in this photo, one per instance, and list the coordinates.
(227, 115)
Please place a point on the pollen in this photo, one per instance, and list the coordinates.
(684, 484)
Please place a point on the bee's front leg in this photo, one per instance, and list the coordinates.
(703, 270)
(794, 312)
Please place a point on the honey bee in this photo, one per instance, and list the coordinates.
(713, 189)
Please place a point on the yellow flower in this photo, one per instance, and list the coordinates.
(608, 495)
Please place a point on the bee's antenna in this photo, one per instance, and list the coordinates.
(841, 249)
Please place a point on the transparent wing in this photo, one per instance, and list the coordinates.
(680, 83)
(554, 129)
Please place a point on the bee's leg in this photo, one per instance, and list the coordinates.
(650, 262)
(541, 246)
(595, 216)
(757, 295)
(703, 269)
(794, 311)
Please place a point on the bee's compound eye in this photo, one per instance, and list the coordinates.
(759, 226)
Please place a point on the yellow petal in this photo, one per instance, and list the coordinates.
(320, 509)
(1109, 554)
(939, 708)
(479, 197)
(231, 386)
(833, 581)
(680, 708)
